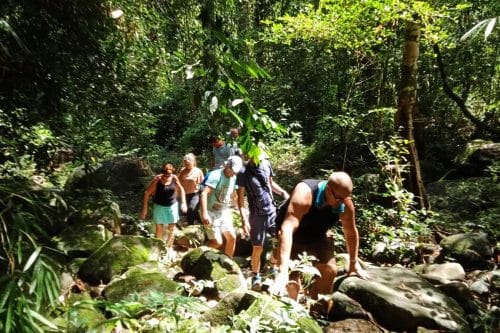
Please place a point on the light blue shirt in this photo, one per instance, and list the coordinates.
(222, 188)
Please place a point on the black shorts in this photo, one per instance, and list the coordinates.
(260, 225)
(323, 249)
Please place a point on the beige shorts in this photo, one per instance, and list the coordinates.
(222, 221)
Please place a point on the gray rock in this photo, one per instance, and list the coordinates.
(352, 326)
(400, 300)
(441, 272)
(471, 250)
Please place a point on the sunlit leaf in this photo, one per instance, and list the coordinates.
(189, 72)
(214, 104)
(237, 101)
(32, 258)
(489, 27)
(117, 13)
(42, 319)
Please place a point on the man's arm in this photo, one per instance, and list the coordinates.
(241, 203)
(351, 236)
(205, 218)
(278, 189)
(300, 203)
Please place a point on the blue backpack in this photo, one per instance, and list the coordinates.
(204, 181)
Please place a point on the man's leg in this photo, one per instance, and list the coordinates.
(213, 231)
(324, 285)
(255, 260)
(257, 236)
(230, 243)
(324, 251)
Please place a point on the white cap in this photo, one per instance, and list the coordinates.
(235, 163)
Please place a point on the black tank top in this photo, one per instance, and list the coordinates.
(165, 194)
(315, 223)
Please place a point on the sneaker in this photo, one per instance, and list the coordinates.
(256, 283)
(274, 272)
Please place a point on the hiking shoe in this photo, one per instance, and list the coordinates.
(256, 283)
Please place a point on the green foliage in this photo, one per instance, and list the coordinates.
(29, 283)
(398, 226)
(286, 155)
(304, 266)
(173, 314)
(268, 315)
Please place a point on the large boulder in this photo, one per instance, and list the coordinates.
(400, 300)
(140, 282)
(205, 263)
(82, 240)
(120, 174)
(118, 254)
(471, 250)
(126, 177)
(477, 156)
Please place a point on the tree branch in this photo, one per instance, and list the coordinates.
(458, 100)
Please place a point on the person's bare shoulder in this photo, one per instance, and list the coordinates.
(300, 200)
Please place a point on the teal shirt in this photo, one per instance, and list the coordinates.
(319, 198)
(222, 188)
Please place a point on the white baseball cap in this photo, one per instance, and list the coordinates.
(235, 163)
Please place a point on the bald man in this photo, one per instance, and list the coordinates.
(314, 207)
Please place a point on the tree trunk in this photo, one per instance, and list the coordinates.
(406, 108)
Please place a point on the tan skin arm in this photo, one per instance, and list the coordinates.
(205, 218)
(148, 193)
(278, 189)
(350, 233)
(182, 193)
(300, 203)
(241, 203)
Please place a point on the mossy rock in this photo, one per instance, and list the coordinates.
(229, 306)
(190, 236)
(118, 254)
(140, 285)
(471, 250)
(205, 263)
(262, 308)
(83, 317)
(82, 240)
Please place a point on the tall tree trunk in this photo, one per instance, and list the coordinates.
(406, 108)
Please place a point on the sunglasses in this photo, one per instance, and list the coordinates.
(332, 192)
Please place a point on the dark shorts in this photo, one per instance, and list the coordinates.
(193, 205)
(260, 225)
(323, 249)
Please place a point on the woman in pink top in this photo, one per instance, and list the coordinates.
(191, 177)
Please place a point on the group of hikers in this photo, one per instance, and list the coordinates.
(299, 224)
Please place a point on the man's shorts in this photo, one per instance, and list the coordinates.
(166, 214)
(323, 249)
(259, 226)
(222, 221)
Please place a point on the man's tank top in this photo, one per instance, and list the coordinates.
(165, 194)
(316, 222)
